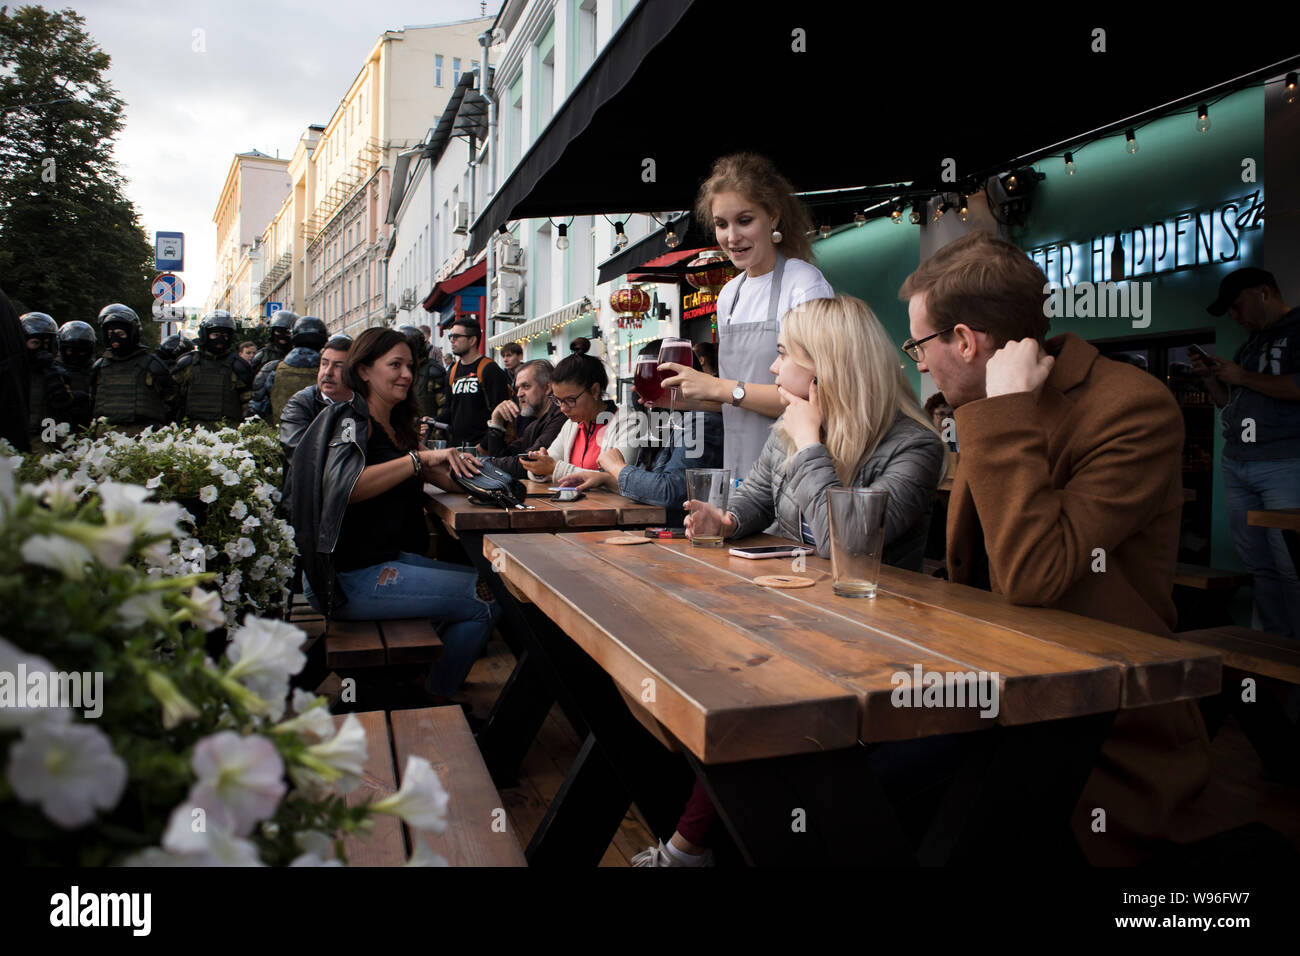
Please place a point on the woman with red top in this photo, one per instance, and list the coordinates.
(594, 424)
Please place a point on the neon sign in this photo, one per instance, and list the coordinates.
(1186, 240)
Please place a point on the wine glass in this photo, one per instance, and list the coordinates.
(679, 351)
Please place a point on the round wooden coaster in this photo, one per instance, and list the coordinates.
(626, 539)
(783, 581)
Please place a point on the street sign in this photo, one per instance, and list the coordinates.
(163, 312)
(169, 251)
(273, 307)
(168, 288)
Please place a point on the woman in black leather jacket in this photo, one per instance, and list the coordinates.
(358, 512)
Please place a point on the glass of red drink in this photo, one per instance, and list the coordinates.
(647, 380)
(679, 351)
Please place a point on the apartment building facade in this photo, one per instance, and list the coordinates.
(407, 76)
(255, 188)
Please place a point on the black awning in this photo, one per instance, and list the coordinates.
(841, 95)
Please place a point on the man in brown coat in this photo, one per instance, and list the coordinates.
(1064, 452)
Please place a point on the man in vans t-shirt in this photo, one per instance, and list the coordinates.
(477, 385)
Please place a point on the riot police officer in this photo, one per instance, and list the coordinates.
(277, 382)
(49, 395)
(430, 385)
(173, 347)
(77, 348)
(129, 385)
(215, 384)
(282, 323)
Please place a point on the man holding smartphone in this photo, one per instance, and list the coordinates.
(1259, 392)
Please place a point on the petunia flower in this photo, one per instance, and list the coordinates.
(421, 801)
(336, 762)
(58, 553)
(423, 856)
(241, 778)
(198, 839)
(265, 654)
(203, 609)
(208, 494)
(70, 769)
(238, 510)
(313, 723)
(176, 707)
(15, 712)
(139, 609)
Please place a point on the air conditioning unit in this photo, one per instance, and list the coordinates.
(512, 256)
(460, 219)
(408, 299)
(391, 311)
(507, 295)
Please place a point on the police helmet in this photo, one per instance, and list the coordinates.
(282, 323)
(309, 332)
(213, 322)
(77, 342)
(38, 325)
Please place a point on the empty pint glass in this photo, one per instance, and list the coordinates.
(857, 520)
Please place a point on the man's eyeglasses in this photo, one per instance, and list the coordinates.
(912, 347)
(456, 335)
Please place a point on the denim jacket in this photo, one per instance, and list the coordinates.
(661, 480)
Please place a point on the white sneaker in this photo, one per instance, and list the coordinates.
(661, 856)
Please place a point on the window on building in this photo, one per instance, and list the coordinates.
(455, 70)
(586, 35)
(437, 69)
(515, 124)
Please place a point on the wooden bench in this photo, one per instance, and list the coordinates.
(352, 644)
(1262, 718)
(1209, 579)
(1257, 652)
(478, 830)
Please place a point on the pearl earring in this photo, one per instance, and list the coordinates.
(776, 236)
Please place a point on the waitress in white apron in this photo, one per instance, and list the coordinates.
(763, 228)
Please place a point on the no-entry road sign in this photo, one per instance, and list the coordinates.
(168, 288)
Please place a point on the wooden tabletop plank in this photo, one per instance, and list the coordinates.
(1288, 519)
(537, 515)
(1155, 669)
(595, 510)
(723, 694)
(411, 641)
(354, 644)
(1249, 650)
(455, 511)
(385, 844)
(478, 830)
(864, 644)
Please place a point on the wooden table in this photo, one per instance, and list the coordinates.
(775, 697)
(1287, 520)
(530, 692)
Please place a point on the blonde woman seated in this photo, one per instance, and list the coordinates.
(594, 425)
(850, 420)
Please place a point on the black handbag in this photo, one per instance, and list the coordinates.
(493, 486)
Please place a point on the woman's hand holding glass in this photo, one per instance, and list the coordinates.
(703, 518)
(693, 385)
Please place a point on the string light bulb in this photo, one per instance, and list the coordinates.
(620, 237)
(1130, 142)
(964, 209)
(896, 214)
(1290, 87)
(1069, 163)
(1202, 118)
(942, 208)
(916, 216)
(562, 242)
(859, 220)
(670, 238)
(825, 231)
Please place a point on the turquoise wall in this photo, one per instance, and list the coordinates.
(1176, 169)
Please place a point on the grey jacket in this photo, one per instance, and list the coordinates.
(907, 463)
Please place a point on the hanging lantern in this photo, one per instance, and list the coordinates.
(710, 271)
(630, 304)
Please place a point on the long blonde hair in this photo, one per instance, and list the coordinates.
(861, 387)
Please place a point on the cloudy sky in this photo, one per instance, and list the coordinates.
(266, 70)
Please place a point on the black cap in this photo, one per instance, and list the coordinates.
(1233, 284)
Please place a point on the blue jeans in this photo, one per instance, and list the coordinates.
(1256, 485)
(416, 586)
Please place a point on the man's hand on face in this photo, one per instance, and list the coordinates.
(505, 412)
(1020, 366)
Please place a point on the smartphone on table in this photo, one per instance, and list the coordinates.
(772, 551)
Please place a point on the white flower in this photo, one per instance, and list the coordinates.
(421, 801)
(263, 491)
(313, 723)
(139, 609)
(58, 493)
(208, 494)
(249, 524)
(230, 478)
(125, 504)
(14, 711)
(423, 856)
(265, 655)
(245, 548)
(56, 552)
(195, 837)
(239, 510)
(230, 589)
(69, 769)
(336, 762)
(205, 609)
(154, 482)
(318, 849)
(239, 777)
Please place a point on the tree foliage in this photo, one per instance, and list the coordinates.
(70, 240)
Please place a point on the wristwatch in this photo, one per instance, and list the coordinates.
(738, 393)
